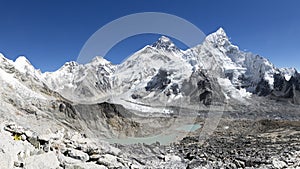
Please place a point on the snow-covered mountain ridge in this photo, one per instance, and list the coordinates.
(159, 72)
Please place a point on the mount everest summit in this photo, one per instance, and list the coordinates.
(103, 100)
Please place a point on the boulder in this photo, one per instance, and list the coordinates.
(279, 164)
(172, 158)
(110, 161)
(77, 154)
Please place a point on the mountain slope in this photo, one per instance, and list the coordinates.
(81, 82)
(153, 73)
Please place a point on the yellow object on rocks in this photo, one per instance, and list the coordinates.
(17, 137)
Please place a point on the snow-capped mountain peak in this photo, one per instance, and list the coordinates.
(221, 32)
(22, 60)
(70, 64)
(164, 39)
(166, 44)
(219, 38)
(288, 72)
(99, 60)
(76, 81)
(23, 64)
(69, 67)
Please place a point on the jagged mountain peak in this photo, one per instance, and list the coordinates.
(70, 64)
(165, 43)
(25, 66)
(221, 32)
(22, 60)
(96, 61)
(219, 37)
(100, 60)
(164, 39)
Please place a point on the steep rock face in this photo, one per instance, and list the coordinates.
(202, 89)
(287, 89)
(106, 120)
(159, 82)
(263, 88)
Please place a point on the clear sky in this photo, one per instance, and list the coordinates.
(51, 32)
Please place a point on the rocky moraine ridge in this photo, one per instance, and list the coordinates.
(235, 144)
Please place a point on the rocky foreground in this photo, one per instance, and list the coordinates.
(235, 144)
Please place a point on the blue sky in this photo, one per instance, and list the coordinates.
(49, 33)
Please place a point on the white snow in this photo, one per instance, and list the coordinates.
(23, 65)
(231, 92)
(11, 84)
(217, 55)
(74, 80)
(288, 72)
(164, 39)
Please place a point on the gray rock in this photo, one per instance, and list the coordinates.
(95, 157)
(14, 128)
(23, 137)
(110, 161)
(279, 164)
(34, 141)
(29, 133)
(18, 164)
(77, 154)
